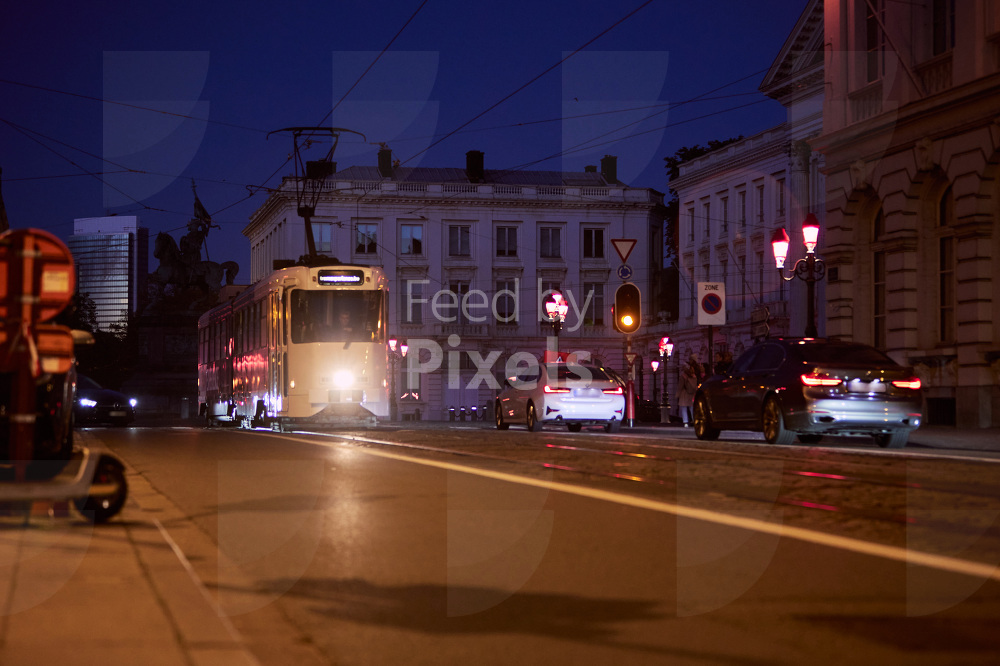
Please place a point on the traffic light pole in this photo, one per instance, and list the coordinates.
(629, 386)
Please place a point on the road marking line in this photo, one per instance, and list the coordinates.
(913, 557)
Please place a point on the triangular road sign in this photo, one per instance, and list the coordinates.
(630, 358)
(623, 246)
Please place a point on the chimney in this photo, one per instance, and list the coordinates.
(590, 168)
(385, 162)
(474, 166)
(609, 169)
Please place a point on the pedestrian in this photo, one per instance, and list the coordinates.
(690, 377)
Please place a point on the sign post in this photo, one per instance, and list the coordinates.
(36, 282)
(711, 313)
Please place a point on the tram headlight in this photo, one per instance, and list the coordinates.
(343, 379)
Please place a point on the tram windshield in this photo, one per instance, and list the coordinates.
(337, 316)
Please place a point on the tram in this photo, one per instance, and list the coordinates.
(304, 347)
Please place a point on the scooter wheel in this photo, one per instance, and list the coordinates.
(101, 508)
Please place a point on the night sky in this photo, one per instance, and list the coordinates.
(114, 107)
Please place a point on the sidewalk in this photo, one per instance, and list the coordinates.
(73, 593)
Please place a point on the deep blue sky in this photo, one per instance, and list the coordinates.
(251, 67)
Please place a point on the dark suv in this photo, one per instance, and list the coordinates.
(810, 387)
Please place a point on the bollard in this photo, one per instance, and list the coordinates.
(461, 413)
(451, 413)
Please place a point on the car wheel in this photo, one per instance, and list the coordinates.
(575, 427)
(100, 508)
(703, 422)
(534, 425)
(614, 425)
(810, 438)
(773, 424)
(894, 440)
(498, 417)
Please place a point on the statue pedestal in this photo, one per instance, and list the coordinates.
(165, 381)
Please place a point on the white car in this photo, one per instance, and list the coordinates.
(561, 393)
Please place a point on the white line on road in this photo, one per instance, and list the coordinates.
(912, 557)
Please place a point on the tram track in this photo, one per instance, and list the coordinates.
(888, 498)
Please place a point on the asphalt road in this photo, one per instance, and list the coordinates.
(554, 549)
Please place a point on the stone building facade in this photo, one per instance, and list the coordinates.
(911, 139)
(496, 241)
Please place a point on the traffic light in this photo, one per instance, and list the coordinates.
(627, 310)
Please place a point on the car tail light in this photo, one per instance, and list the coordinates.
(615, 391)
(913, 383)
(553, 389)
(819, 380)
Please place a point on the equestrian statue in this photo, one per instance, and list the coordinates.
(183, 277)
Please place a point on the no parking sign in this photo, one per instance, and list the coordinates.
(711, 303)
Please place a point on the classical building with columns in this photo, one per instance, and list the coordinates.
(471, 253)
(911, 138)
(731, 200)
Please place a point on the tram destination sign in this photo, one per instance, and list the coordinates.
(338, 277)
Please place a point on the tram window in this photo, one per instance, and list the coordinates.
(336, 316)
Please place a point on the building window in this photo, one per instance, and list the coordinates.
(724, 202)
(780, 196)
(411, 297)
(879, 301)
(743, 281)
(743, 209)
(707, 210)
(760, 204)
(594, 314)
(943, 26)
(411, 240)
(506, 241)
(760, 276)
(878, 225)
(506, 312)
(367, 237)
(549, 246)
(690, 224)
(450, 307)
(874, 37)
(593, 243)
(946, 269)
(458, 241)
(946, 289)
(323, 236)
(409, 384)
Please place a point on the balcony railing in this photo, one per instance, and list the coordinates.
(866, 102)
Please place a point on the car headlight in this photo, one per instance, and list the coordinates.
(87, 402)
(133, 402)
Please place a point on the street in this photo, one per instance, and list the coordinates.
(456, 543)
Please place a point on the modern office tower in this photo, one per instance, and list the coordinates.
(112, 264)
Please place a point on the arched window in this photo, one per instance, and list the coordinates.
(946, 284)
(879, 291)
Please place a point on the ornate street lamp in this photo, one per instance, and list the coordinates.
(655, 365)
(556, 308)
(811, 269)
(397, 351)
(666, 348)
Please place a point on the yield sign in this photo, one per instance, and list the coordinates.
(623, 246)
(630, 358)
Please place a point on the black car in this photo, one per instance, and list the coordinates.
(810, 387)
(96, 404)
